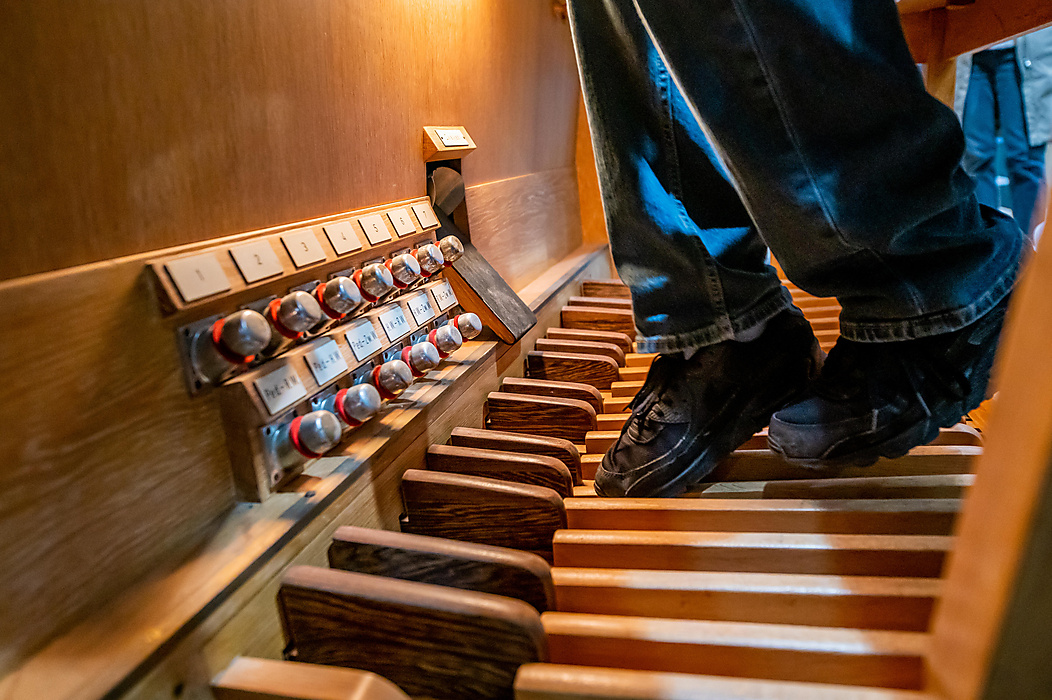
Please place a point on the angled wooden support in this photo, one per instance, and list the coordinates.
(547, 387)
(563, 450)
(600, 302)
(486, 511)
(887, 659)
(432, 641)
(599, 371)
(590, 318)
(857, 602)
(765, 465)
(895, 487)
(265, 679)
(846, 517)
(444, 562)
(540, 415)
(909, 556)
(508, 466)
(582, 347)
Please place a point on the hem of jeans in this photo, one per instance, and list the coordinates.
(719, 330)
(930, 324)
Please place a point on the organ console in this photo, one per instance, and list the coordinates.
(336, 381)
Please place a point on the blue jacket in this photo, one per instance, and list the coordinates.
(1034, 53)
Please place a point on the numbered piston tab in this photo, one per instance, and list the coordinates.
(354, 405)
(228, 343)
(447, 339)
(293, 314)
(404, 269)
(374, 280)
(430, 258)
(392, 378)
(306, 437)
(469, 325)
(421, 358)
(451, 248)
(338, 297)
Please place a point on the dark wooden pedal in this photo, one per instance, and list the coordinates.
(586, 347)
(432, 641)
(444, 562)
(597, 370)
(605, 288)
(614, 337)
(600, 302)
(507, 466)
(546, 387)
(486, 511)
(561, 449)
(540, 415)
(589, 318)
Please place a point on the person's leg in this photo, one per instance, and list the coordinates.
(685, 245)
(980, 130)
(1026, 165)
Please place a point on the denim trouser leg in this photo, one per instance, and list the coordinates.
(679, 234)
(850, 170)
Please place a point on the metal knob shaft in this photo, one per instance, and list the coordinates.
(447, 339)
(357, 404)
(294, 313)
(374, 280)
(451, 248)
(392, 378)
(229, 342)
(404, 269)
(430, 258)
(469, 325)
(338, 297)
(421, 358)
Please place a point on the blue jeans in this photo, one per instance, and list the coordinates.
(723, 125)
(995, 94)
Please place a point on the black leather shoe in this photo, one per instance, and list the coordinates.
(881, 399)
(692, 413)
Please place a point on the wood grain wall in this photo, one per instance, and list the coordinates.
(134, 125)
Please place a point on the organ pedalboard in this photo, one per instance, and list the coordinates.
(306, 333)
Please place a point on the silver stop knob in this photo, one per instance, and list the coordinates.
(357, 404)
(430, 258)
(421, 358)
(294, 313)
(338, 297)
(451, 248)
(469, 325)
(374, 280)
(447, 339)
(392, 378)
(315, 433)
(229, 342)
(404, 269)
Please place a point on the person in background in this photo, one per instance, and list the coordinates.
(1007, 89)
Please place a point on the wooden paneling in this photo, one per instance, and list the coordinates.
(143, 124)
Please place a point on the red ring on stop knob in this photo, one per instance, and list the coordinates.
(384, 393)
(272, 316)
(224, 352)
(294, 437)
(353, 422)
(405, 359)
(431, 339)
(357, 277)
(329, 311)
(387, 264)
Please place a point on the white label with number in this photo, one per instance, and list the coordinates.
(303, 247)
(375, 229)
(198, 276)
(280, 389)
(444, 296)
(256, 261)
(394, 323)
(363, 340)
(403, 224)
(326, 362)
(420, 307)
(425, 215)
(452, 137)
(342, 237)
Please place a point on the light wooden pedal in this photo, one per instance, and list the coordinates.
(621, 340)
(265, 679)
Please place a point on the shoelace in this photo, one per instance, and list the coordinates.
(662, 370)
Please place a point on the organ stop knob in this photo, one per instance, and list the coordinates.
(447, 339)
(451, 248)
(228, 343)
(404, 269)
(430, 258)
(421, 358)
(374, 280)
(306, 437)
(293, 314)
(469, 325)
(392, 378)
(338, 297)
(355, 405)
